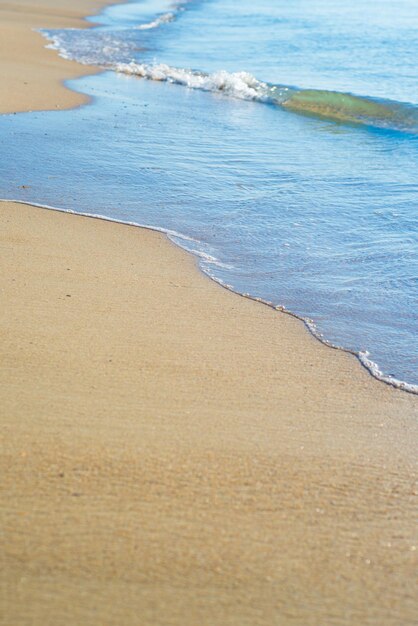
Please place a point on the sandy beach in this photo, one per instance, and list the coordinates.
(173, 453)
(31, 74)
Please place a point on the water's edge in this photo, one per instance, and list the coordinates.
(371, 367)
(174, 237)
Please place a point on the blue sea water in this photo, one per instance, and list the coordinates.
(277, 140)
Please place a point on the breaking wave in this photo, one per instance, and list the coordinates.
(159, 21)
(115, 49)
(330, 105)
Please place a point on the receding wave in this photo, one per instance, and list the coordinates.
(328, 105)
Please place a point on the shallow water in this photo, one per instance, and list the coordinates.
(306, 211)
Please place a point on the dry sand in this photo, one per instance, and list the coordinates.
(173, 454)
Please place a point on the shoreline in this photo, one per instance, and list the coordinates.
(73, 99)
(201, 448)
(371, 367)
(33, 73)
(175, 454)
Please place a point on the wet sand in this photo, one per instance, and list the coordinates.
(175, 454)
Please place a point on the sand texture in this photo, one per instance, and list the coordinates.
(175, 454)
(172, 453)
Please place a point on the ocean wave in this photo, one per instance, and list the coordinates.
(348, 108)
(328, 105)
(112, 52)
(239, 85)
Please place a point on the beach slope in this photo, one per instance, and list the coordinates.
(172, 453)
(176, 454)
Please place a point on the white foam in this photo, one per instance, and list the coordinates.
(389, 380)
(159, 21)
(56, 44)
(240, 85)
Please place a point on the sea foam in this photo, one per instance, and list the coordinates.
(110, 51)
